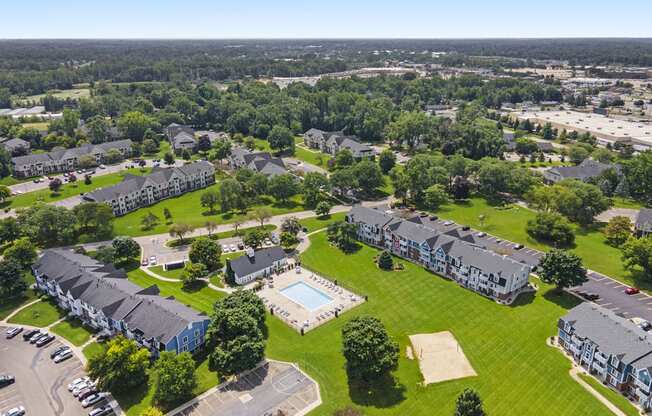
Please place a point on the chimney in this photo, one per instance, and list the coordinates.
(250, 253)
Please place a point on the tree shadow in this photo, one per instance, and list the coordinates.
(561, 298)
(194, 287)
(385, 392)
(133, 396)
(523, 299)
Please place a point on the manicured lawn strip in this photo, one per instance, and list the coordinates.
(626, 203)
(171, 274)
(73, 331)
(7, 306)
(219, 236)
(40, 314)
(509, 223)
(67, 190)
(93, 349)
(517, 373)
(615, 398)
(10, 180)
(187, 209)
(200, 297)
(316, 223)
(314, 158)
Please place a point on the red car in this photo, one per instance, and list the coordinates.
(631, 290)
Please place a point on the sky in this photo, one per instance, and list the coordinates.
(324, 19)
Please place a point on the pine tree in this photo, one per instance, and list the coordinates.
(385, 261)
(469, 404)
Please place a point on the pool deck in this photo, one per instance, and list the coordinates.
(294, 313)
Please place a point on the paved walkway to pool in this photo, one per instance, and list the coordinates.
(298, 316)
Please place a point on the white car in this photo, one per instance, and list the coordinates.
(232, 247)
(92, 399)
(225, 248)
(16, 411)
(63, 356)
(77, 382)
(152, 260)
(80, 387)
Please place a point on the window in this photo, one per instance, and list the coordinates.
(185, 340)
(197, 333)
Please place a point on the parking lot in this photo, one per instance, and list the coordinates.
(271, 388)
(41, 385)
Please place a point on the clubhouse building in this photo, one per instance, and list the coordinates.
(102, 297)
(444, 251)
(139, 191)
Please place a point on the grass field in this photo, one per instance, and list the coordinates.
(316, 223)
(313, 157)
(93, 349)
(39, 125)
(69, 189)
(187, 209)
(40, 314)
(219, 236)
(615, 398)
(74, 93)
(170, 274)
(517, 373)
(510, 223)
(7, 306)
(73, 331)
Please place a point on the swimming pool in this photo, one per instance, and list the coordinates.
(306, 296)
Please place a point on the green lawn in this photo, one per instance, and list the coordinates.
(10, 180)
(187, 209)
(171, 274)
(313, 157)
(614, 397)
(163, 148)
(39, 125)
(509, 223)
(518, 373)
(316, 223)
(68, 189)
(219, 236)
(73, 93)
(200, 297)
(626, 203)
(7, 306)
(93, 349)
(40, 314)
(73, 331)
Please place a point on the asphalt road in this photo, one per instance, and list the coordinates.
(41, 385)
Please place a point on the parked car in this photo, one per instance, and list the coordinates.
(645, 326)
(35, 337)
(145, 262)
(15, 411)
(448, 223)
(101, 411)
(37, 180)
(102, 167)
(433, 218)
(12, 332)
(518, 246)
(590, 296)
(225, 248)
(232, 247)
(27, 335)
(102, 337)
(240, 246)
(63, 356)
(481, 234)
(152, 260)
(86, 393)
(92, 399)
(45, 340)
(632, 290)
(6, 380)
(59, 350)
(77, 382)
(80, 387)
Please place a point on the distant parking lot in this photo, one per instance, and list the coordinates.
(41, 385)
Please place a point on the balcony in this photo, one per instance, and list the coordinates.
(642, 386)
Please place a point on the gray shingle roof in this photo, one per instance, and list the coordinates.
(644, 218)
(75, 152)
(262, 259)
(587, 169)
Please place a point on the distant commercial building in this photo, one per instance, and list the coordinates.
(608, 131)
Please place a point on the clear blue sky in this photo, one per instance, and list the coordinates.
(324, 19)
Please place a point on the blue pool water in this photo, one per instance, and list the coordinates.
(306, 296)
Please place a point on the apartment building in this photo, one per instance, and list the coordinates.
(610, 347)
(261, 162)
(103, 298)
(332, 142)
(585, 171)
(139, 191)
(65, 160)
(181, 137)
(444, 251)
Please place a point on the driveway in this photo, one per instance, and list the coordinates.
(271, 389)
(41, 385)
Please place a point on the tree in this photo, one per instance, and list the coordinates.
(577, 154)
(5, 193)
(410, 128)
(582, 201)
(255, 238)
(86, 161)
(637, 253)
(262, 215)
(618, 230)
(203, 143)
(149, 220)
(235, 333)
(288, 240)
(343, 181)
(9, 229)
(369, 176)
(168, 158)
(210, 199)
(230, 195)
(180, 230)
(55, 185)
(323, 209)
(385, 261)
(344, 158)
(11, 279)
(469, 404)
(525, 146)
(105, 254)
(22, 252)
(314, 185)
(48, 225)
(205, 251)
(283, 187)
(192, 272)
(175, 377)
(125, 247)
(343, 235)
(133, 125)
(291, 225)
(121, 367)
(386, 160)
(561, 268)
(87, 179)
(435, 196)
(113, 156)
(369, 351)
(211, 226)
(151, 411)
(280, 139)
(551, 227)
(167, 214)
(149, 146)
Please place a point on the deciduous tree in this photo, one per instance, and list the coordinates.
(121, 367)
(369, 351)
(562, 269)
